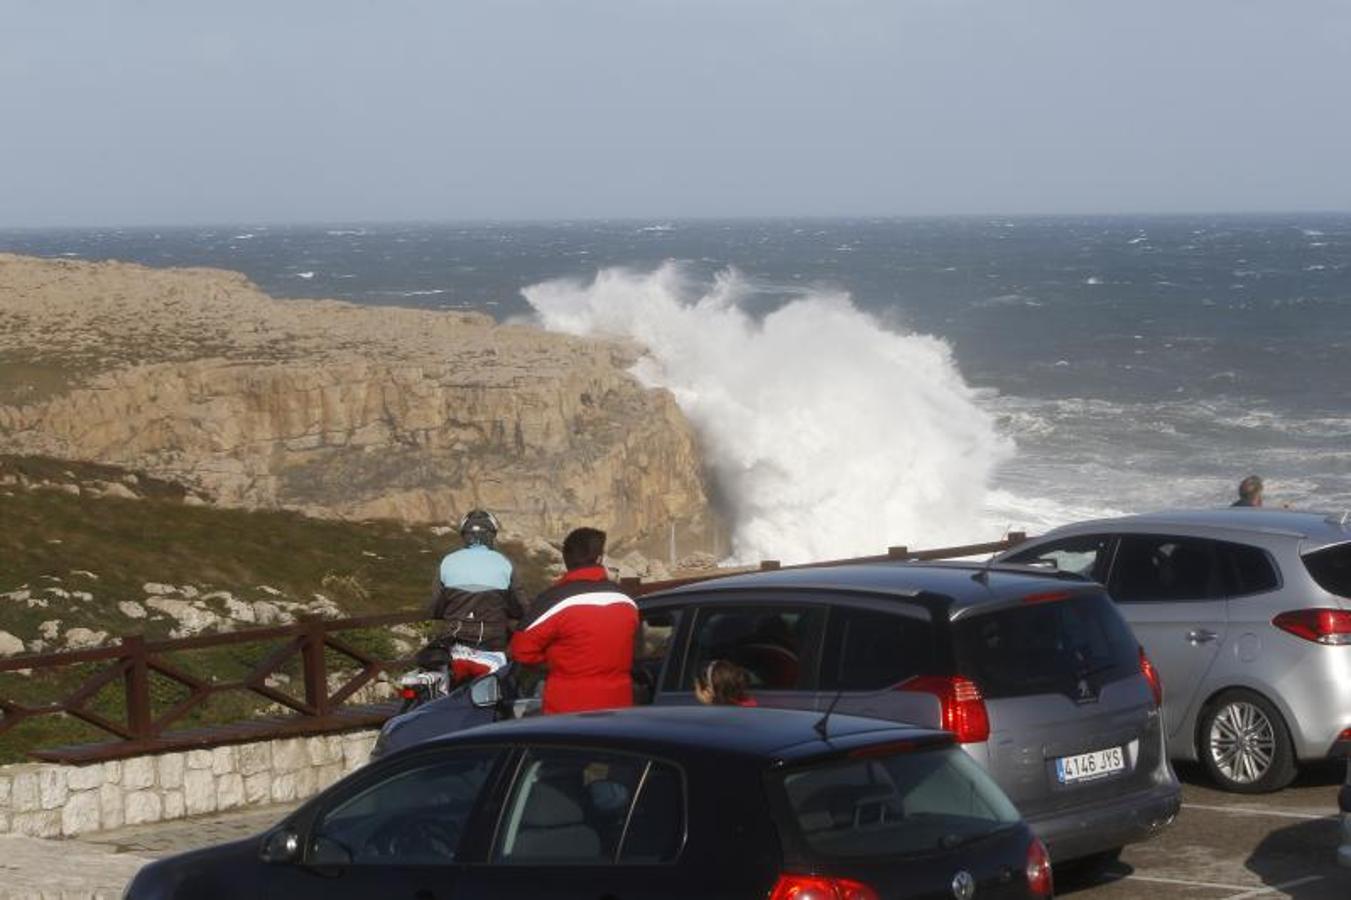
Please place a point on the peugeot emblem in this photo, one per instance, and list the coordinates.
(963, 885)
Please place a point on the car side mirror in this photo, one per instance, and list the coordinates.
(327, 853)
(280, 846)
(486, 692)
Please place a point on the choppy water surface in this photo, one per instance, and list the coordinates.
(1085, 365)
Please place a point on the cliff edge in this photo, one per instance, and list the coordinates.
(335, 409)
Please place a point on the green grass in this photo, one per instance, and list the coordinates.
(47, 535)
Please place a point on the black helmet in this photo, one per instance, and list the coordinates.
(478, 527)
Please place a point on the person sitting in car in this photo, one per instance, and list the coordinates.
(724, 683)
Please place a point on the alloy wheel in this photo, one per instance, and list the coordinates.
(1242, 742)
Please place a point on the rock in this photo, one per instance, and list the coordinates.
(143, 807)
(84, 573)
(192, 618)
(257, 788)
(81, 814)
(50, 629)
(111, 807)
(188, 591)
(267, 589)
(131, 609)
(171, 769)
(158, 590)
(116, 489)
(84, 778)
(82, 596)
(340, 410)
(230, 791)
(199, 791)
(138, 772)
(9, 644)
(84, 638)
(52, 787)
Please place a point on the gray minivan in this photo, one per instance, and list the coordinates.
(1037, 675)
(1245, 613)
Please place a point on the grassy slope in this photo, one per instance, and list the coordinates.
(46, 535)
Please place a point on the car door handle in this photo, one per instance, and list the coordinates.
(1200, 636)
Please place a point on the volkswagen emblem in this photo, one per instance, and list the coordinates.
(963, 885)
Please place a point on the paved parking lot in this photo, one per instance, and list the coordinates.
(1222, 847)
(1228, 846)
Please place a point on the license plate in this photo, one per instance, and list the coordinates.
(1090, 766)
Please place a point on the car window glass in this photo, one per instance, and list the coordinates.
(1163, 568)
(415, 816)
(874, 650)
(1085, 555)
(656, 630)
(1050, 647)
(656, 829)
(569, 807)
(906, 803)
(1331, 568)
(774, 644)
(1250, 569)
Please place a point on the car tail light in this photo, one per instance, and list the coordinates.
(1345, 735)
(963, 707)
(1047, 597)
(1322, 626)
(1152, 676)
(820, 887)
(1039, 880)
(408, 693)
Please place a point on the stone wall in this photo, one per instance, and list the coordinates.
(50, 800)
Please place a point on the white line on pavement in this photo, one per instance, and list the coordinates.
(1157, 879)
(1275, 887)
(1248, 811)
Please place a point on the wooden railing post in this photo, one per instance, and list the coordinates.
(137, 684)
(316, 670)
(898, 552)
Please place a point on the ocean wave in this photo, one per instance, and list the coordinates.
(431, 292)
(814, 413)
(305, 275)
(344, 232)
(1093, 279)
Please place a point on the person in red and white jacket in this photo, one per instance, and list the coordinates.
(582, 629)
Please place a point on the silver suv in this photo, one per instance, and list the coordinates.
(1244, 612)
(1036, 674)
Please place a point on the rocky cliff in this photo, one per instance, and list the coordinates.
(336, 409)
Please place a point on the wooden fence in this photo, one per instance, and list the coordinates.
(323, 705)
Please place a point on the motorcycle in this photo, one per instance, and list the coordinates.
(442, 665)
(488, 698)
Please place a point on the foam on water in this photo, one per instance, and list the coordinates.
(825, 434)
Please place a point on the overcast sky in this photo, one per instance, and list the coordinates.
(165, 111)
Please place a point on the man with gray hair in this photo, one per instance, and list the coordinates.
(1249, 492)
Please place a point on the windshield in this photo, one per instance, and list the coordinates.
(907, 803)
(1045, 648)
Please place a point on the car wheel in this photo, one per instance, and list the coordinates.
(1244, 744)
(1086, 870)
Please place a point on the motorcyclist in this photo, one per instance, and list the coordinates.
(478, 597)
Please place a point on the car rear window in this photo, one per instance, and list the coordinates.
(1046, 647)
(906, 803)
(1331, 568)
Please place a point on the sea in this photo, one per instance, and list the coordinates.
(862, 383)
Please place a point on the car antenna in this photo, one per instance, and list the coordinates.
(983, 576)
(821, 724)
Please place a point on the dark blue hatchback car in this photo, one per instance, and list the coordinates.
(643, 803)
